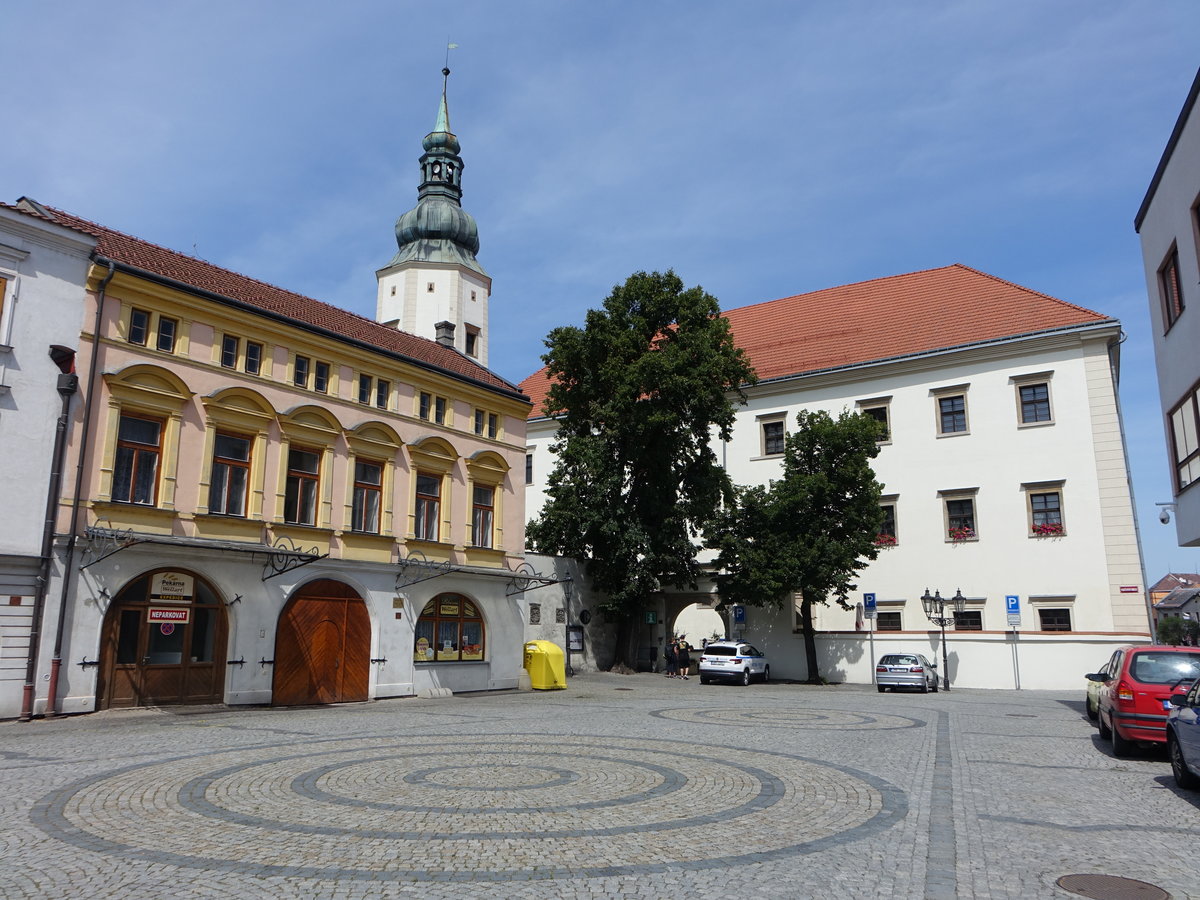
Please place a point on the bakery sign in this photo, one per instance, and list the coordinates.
(172, 586)
(175, 615)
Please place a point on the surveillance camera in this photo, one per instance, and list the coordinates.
(1164, 515)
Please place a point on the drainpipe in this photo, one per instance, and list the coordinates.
(68, 384)
(77, 500)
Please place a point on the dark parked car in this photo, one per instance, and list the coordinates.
(1183, 737)
(1135, 693)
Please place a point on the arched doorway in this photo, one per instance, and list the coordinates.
(699, 623)
(322, 646)
(163, 642)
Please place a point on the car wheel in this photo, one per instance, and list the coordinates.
(766, 674)
(881, 688)
(924, 687)
(1184, 777)
(1122, 747)
(745, 677)
(704, 679)
(934, 688)
(1105, 731)
(1092, 712)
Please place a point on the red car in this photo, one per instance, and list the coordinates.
(1135, 693)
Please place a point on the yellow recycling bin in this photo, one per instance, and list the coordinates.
(544, 662)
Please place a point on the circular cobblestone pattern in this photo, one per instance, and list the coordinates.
(449, 808)
(787, 717)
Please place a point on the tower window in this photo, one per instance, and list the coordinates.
(429, 288)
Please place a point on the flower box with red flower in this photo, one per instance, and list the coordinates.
(1048, 529)
(958, 535)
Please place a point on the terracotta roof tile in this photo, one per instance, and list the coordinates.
(897, 316)
(130, 251)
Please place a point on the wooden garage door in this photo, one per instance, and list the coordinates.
(322, 647)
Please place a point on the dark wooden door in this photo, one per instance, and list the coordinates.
(145, 663)
(322, 647)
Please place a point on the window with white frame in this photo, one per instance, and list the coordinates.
(483, 510)
(1184, 422)
(368, 492)
(138, 459)
(303, 482)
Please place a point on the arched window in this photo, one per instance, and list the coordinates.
(450, 630)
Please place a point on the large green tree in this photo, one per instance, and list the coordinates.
(809, 532)
(638, 394)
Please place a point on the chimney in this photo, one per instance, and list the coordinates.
(445, 333)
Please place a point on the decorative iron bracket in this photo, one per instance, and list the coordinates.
(415, 568)
(237, 662)
(88, 663)
(286, 555)
(264, 662)
(101, 543)
(526, 578)
(380, 661)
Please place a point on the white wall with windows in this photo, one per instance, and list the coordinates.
(1017, 485)
(43, 269)
(1168, 223)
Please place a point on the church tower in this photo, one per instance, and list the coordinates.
(434, 287)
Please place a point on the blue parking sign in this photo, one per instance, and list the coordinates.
(739, 615)
(1012, 603)
(869, 606)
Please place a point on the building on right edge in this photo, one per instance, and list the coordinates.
(1168, 223)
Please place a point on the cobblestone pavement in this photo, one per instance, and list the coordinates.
(620, 786)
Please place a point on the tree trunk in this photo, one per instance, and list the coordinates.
(810, 641)
(625, 635)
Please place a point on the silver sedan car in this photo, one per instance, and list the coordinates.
(906, 670)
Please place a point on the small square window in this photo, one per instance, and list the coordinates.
(230, 346)
(888, 621)
(300, 372)
(969, 620)
(1054, 619)
(1045, 508)
(880, 415)
(1035, 403)
(772, 438)
(139, 326)
(253, 357)
(472, 340)
(383, 393)
(321, 377)
(959, 512)
(952, 414)
(166, 334)
(429, 287)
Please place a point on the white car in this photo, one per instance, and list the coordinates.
(733, 661)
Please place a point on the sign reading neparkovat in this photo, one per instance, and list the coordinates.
(178, 615)
(172, 586)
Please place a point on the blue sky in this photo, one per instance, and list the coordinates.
(760, 149)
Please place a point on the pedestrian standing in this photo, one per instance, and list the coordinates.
(682, 659)
(672, 661)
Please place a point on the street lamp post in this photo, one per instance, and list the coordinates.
(935, 610)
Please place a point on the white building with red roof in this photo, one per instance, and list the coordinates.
(1004, 473)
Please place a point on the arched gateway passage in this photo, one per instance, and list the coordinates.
(163, 642)
(322, 646)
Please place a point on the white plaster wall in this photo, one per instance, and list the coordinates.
(46, 267)
(253, 618)
(1170, 220)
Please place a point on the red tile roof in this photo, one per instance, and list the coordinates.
(897, 316)
(138, 254)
